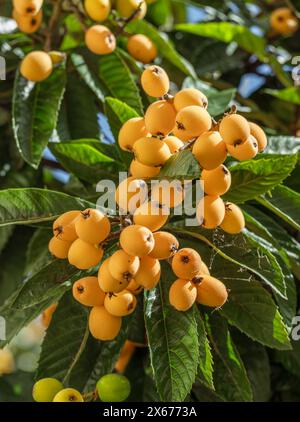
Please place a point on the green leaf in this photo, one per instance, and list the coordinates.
(256, 177)
(35, 112)
(37, 254)
(32, 205)
(83, 158)
(119, 113)
(205, 372)
(290, 358)
(163, 45)
(230, 375)
(173, 342)
(137, 332)
(290, 94)
(5, 234)
(182, 165)
(283, 145)
(117, 77)
(284, 203)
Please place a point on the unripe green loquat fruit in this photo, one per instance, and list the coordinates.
(36, 66)
(68, 395)
(64, 226)
(113, 388)
(59, 248)
(84, 255)
(234, 129)
(160, 118)
(182, 295)
(27, 7)
(104, 326)
(216, 182)
(234, 220)
(186, 263)
(100, 40)
(155, 81)
(245, 151)
(174, 144)
(142, 48)
(149, 272)
(259, 135)
(87, 292)
(107, 282)
(127, 7)
(211, 212)
(190, 97)
(191, 122)
(98, 10)
(141, 171)
(211, 292)
(120, 304)
(137, 240)
(130, 132)
(210, 150)
(151, 215)
(130, 194)
(46, 389)
(123, 267)
(165, 245)
(92, 226)
(28, 23)
(151, 151)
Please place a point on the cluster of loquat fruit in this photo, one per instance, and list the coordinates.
(283, 21)
(99, 39)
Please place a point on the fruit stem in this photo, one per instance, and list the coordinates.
(188, 145)
(52, 24)
(126, 21)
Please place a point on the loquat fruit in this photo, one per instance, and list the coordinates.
(7, 362)
(84, 255)
(160, 118)
(174, 144)
(245, 151)
(59, 248)
(130, 132)
(92, 226)
(68, 395)
(283, 21)
(47, 315)
(130, 194)
(142, 48)
(122, 266)
(125, 356)
(149, 272)
(165, 245)
(204, 269)
(182, 295)
(211, 211)
(234, 129)
(104, 326)
(216, 182)
(155, 81)
(137, 240)
(259, 135)
(141, 171)
(28, 23)
(211, 292)
(126, 8)
(190, 97)
(98, 10)
(36, 66)
(151, 151)
(191, 122)
(107, 282)
(64, 226)
(234, 220)
(45, 389)
(100, 40)
(210, 150)
(27, 7)
(151, 215)
(120, 304)
(169, 194)
(134, 287)
(87, 292)
(186, 263)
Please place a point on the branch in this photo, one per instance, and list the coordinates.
(130, 18)
(293, 8)
(52, 24)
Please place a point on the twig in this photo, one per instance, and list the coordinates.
(293, 8)
(52, 24)
(189, 144)
(126, 21)
(79, 15)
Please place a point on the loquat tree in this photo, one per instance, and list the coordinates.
(133, 301)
